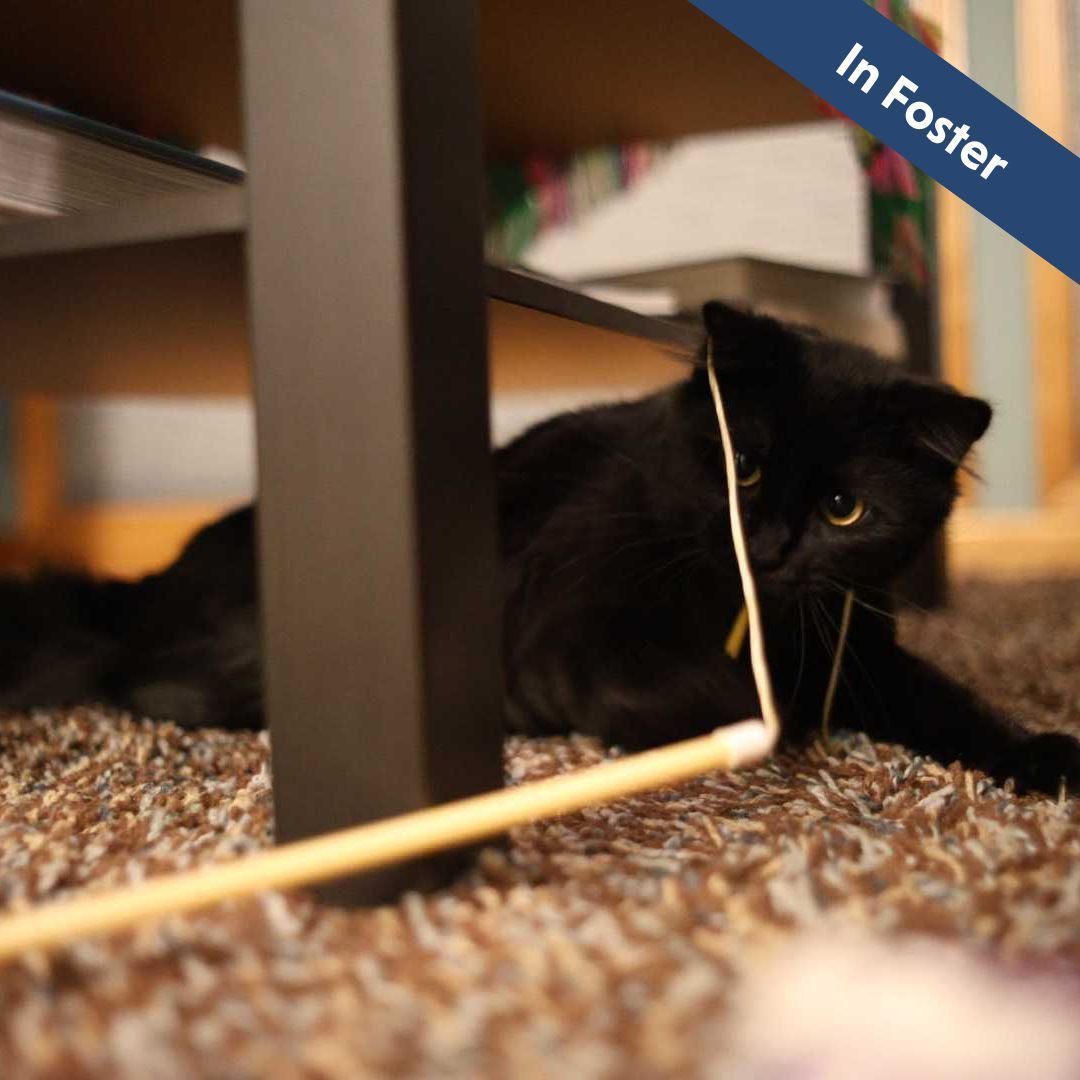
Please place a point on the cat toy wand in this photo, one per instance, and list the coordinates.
(455, 824)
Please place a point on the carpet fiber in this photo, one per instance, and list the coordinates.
(648, 938)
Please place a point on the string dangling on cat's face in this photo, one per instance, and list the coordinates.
(758, 660)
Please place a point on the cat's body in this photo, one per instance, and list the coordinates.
(620, 584)
(181, 645)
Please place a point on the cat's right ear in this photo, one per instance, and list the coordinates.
(741, 338)
(942, 419)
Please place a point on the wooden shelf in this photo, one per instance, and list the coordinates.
(542, 295)
(150, 299)
(169, 217)
(164, 69)
(565, 74)
(157, 222)
(145, 318)
(556, 75)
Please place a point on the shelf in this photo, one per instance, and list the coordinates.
(143, 318)
(159, 221)
(566, 74)
(150, 299)
(535, 352)
(169, 217)
(169, 68)
(557, 75)
(539, 294)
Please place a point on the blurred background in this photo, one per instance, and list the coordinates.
(784, 206)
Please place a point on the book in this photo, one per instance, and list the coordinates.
(54, 162)
(851, 307)
(794, 193)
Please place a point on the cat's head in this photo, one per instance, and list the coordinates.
(847, 464)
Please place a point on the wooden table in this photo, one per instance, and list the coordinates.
(350, 270)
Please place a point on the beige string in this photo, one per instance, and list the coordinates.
(759, 663)
(758, 660)
(382, 843)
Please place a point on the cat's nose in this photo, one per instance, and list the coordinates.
(769, 544)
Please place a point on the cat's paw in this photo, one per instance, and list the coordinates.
(1042, 762)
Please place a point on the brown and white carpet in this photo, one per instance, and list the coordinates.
(855, 913)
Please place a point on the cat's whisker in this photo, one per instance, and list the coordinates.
(675, 539)
(891, 616)
(621, 455)
(823, 620)
(802, 648)
(547, 579)
(684, 559)
(851, 650)
(859, 586)
(982, 643)
(845, 589)
(588, 510)
(832, 647)
(665, 538)
(815, 618)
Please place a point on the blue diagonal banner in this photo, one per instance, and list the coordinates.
(925, 109)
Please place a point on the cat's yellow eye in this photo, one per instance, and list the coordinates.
(747, 470)
(842, 509)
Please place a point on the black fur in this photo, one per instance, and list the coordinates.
(620, 580)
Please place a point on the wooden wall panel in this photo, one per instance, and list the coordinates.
(1044, 99)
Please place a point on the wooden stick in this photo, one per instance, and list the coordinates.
(367, 847)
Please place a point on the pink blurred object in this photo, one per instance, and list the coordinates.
(848, 1008)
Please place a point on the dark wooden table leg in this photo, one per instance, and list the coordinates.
(376, 525)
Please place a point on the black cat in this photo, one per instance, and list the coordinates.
(620, 579)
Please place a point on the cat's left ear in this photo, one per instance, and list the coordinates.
(944, 420)
(742, 339)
